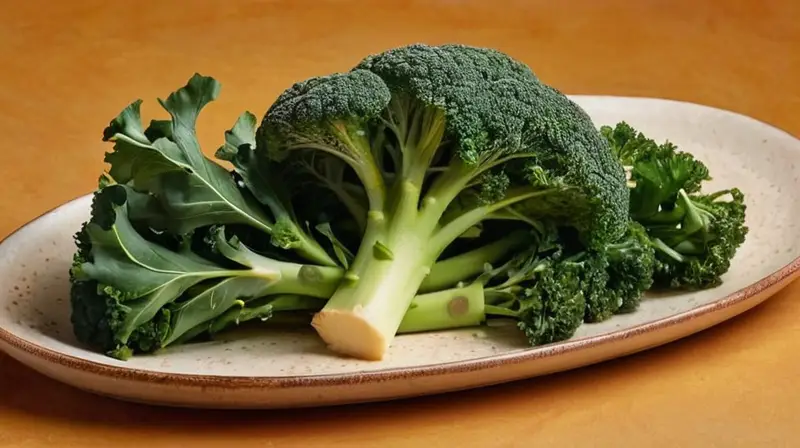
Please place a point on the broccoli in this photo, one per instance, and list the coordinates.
(695, 234)
(419, 127)
(427, 188)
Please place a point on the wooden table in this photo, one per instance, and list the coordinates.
(67, 68)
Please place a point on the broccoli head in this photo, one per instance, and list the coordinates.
(420, 128)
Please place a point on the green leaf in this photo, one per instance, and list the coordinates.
(144, 207)
(132, 293)
(269, 189)
(241, 135)
(145, 275)
(159, 129)
(213, 302)
(259, 179)
(232, 248)
(129, 123)
(194, 190)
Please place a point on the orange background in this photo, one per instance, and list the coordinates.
(67, 68)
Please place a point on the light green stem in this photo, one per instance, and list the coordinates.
(447, 273)
(449, 232)
(452, 308)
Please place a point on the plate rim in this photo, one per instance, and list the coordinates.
(394, 373)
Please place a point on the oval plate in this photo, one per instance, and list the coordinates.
(293, 369)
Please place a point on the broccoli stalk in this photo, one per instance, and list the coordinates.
(543, 297)
(445, 306)
(450, 271)
(399, 248)
(420, 128)
(461, 306)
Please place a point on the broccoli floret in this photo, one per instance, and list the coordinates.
(631, 265)
(544, 295)
(657, 172)
(616, 277)
(696, 246)
(420, 127)
(501, 120)
(695, 234)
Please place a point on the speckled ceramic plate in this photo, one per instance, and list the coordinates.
(269, 369)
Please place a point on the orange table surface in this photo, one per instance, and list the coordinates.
(67, 68)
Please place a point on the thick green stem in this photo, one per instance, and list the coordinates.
(441, 310)
(447, 273)
(452, 308)
(362, 316)
(448, 309)
(422, 142)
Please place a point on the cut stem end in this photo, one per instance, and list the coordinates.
(350, 334)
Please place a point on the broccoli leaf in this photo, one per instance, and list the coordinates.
(132, 294)
(194, 190)
(141, 275)
(213, 302)
(264, 183)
